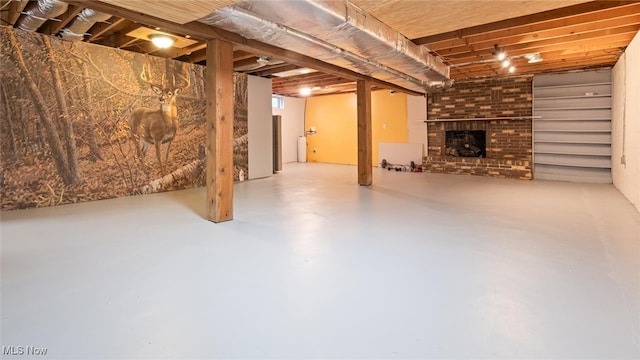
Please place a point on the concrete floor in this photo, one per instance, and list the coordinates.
(314, 266)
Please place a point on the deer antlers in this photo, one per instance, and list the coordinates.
(184, 76)
(145, 76)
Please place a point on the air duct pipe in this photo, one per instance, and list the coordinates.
(83, 22)
(40, 13)
(338, 33)
(337, 50)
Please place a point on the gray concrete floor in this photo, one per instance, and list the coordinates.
(314, 266)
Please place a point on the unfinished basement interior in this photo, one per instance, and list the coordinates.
(220, 179)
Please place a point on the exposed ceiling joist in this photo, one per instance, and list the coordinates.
(523, 20)
(487, 47)
(202, 31)
(100, 29)
(54, 27)
(592, 34)
(275, 70)
(122, 40)
(13, 11)
(549, 30)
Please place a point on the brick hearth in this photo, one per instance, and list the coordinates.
(509, 138)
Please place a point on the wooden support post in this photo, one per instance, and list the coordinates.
(364, 133)
(219, 79)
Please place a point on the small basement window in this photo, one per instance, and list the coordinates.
(277, 102)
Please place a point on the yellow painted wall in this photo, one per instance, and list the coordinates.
(335, 119)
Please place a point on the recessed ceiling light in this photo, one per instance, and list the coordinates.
(506, 63)
(512, 69)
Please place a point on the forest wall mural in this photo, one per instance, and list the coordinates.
(83, 122)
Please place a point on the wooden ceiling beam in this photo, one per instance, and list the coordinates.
(13, 13)
(202, 31)
(524, 20)
(266, 68)
(275, 69)
(328, 80)
(310, 76)
(195, 57)
(563, 66)
(102, 28)
(570, 43)
(242, 55)
(122, 40)
(319, 87)
(54, 27)
(550, 60)
(252, 61)
(537, 32)
(191, 49)
(317, 84)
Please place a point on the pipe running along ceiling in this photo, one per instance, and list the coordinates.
(40, 13)
(336, 32)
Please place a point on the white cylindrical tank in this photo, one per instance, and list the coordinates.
(302, 149)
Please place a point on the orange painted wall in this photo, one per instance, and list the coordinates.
(335, 119)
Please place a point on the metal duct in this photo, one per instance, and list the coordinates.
(83, 22)
(336, 32)
(43, 11)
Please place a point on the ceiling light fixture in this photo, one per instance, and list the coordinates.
(499, 53)
(162, 41)
(263, 60)
(506, 63)
(512, 69)
(305, 91)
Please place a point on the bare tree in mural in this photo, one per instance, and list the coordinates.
(64, 116)
(8, 115)
(82, 100)
(68, 174)
(158, 126)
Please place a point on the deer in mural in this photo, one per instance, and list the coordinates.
(158, 126)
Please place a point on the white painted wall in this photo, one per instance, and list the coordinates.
(625, 124)
(416, 114)
(260, 128)
(292, 126)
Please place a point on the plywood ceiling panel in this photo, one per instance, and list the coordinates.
(181, 12)
(419, 18)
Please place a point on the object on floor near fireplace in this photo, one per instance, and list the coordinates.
(465, 143)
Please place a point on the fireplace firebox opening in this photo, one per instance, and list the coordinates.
(465, 143)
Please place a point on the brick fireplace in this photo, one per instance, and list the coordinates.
(498, 108)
